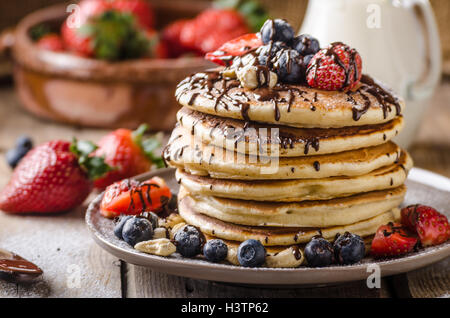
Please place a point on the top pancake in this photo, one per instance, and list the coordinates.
(368, 103)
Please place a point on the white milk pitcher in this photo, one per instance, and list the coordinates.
(398, 42)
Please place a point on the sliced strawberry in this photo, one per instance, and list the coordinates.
(392, 240)
(236, 47)
(51, 42)
(431, 226)
(131, 197)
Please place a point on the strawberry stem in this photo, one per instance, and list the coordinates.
(148, 145)
(95, 167)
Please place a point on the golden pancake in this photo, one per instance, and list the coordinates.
(185, 152)
(274, 236)
(368, 103)
(301, 189)
(324, 213)
(289, 141)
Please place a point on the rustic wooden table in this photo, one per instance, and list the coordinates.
(74, 266)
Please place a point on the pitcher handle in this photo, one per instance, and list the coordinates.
(424, 86)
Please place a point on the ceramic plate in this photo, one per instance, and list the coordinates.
(419, 191)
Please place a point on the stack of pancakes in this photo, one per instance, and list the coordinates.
(281, 165)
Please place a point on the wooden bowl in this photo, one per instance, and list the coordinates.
(89, 92)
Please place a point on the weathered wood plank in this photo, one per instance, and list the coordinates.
(430, 281)
(143, 282)
(74, 266)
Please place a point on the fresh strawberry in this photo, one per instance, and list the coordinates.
(111, 36)
(157, 48)
(171, 35)
(431, 226)
(51, 42)
(132, 197)
(128, 153)
(53, 177)
(74, 41)
(337, 67)
(90, 8)
(392, 240)
(236, 47)
(212, 28)
(141, 9)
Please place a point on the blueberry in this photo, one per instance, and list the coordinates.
(267, 52)
(289, 66)
(24, 142)
(152, 217)
(119, 225)
(319, 252)
(189, 241)
(276, 30)
(306, 60)
(251, 253)
(13, 156)
(305, 44)
(136, 230)
(349, 248)
(215, 250)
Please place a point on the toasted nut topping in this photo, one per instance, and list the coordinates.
(289, 257)
(232, 255)
(161, 247)
(171, 220)
(176, 228)
(160, 232)
(248, 76)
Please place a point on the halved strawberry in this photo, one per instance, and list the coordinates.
(392, 240)
(236, 47)
(431, 226)
(337, 67)
(132, 197)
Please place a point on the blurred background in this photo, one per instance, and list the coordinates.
(410, 52)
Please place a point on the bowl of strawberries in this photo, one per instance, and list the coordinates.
(116, 63)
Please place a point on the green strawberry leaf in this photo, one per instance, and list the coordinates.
(95, 167)
(116, 36)
(148, 145)
(38, 31)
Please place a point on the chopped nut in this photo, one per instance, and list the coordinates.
(232, 255)
(171, 220)
(176, 228)
(161, 247)
(248, 77)
(286, 258)
(229, 73)
(160, 232)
